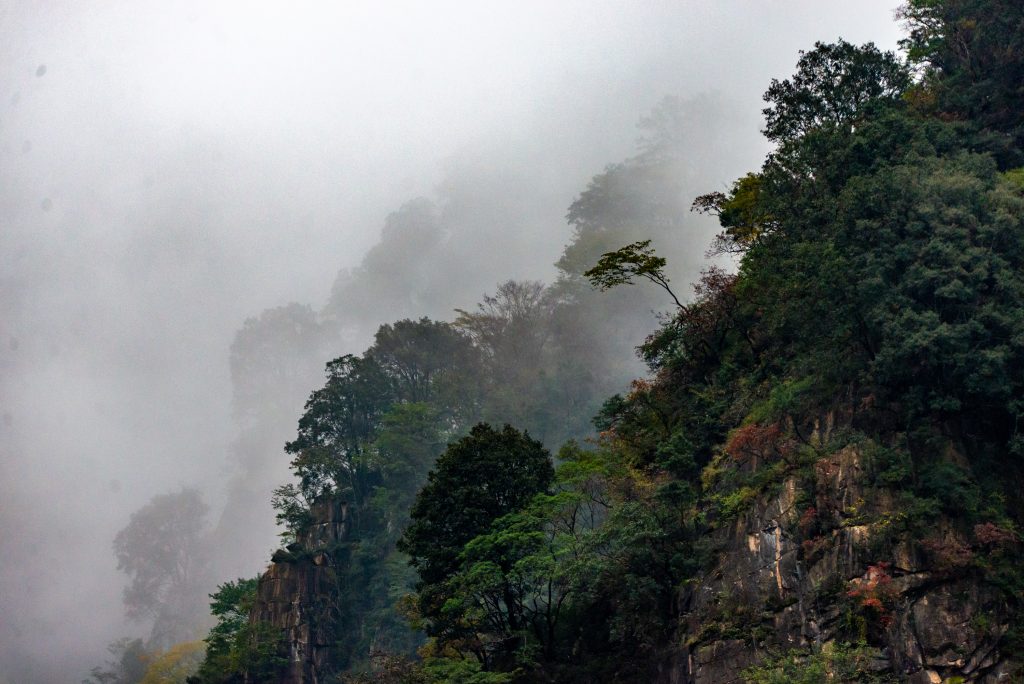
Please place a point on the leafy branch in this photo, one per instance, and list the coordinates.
(636, 260)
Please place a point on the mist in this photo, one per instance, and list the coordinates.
(170, 170)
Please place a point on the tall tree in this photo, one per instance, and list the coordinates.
(163, 551)
(482, 477)
(512, 330)
(335, 431)
(427, 361)
(832, 86)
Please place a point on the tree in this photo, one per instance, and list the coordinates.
(368, 437)
(128, 667)
(741, 213)
(422, 362)
(162, 549)
(480, 478)
(517, 579)
(509, 327)
(409, 440)
(230, 606)
(339, 423)
(426, 361)
(941, 253)
(832, 86)
(512, 329)
(238, 650)
(972, 56)
(621, 267)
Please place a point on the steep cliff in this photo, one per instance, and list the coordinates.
(294, 594)
(824, 557)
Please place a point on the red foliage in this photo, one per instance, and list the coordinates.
(990, 534)
(715, 283)
(808, 520)
(949, 553)
(754, 441)
(953, 553)
(700, 329)
(639, 388)
(812, 548)
(875, 591)
(873, 602)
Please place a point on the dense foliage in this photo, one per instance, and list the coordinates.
(477, 480)
(238, 650)
(881, 274)
(880, 278)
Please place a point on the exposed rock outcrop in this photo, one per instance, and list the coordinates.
(817, 558)
(801, 569)
(294, 593)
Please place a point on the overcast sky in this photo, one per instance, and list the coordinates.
(169, 168)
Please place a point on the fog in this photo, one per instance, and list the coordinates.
(168, 170)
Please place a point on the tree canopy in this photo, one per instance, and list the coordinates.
(833, 85)
(162, 552)
(478, 479)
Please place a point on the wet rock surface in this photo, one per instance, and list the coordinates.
(776, 585)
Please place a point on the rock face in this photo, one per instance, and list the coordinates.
(812, 560)
(293, 591)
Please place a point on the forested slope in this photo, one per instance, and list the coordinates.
(820, 478)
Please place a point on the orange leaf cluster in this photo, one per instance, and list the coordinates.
(754, 441)
(875, 591)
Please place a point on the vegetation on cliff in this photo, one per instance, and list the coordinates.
(880, 282)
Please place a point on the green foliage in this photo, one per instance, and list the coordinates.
(370, 421)
(370, 435)
(833, 86)
(741, 213)
(230, 606)
(834, 662)
(731, 505)
(462, 671)
(624, 265)
(238, 650)
(787, 398)
(1015, 178)
(339, 422)
(893, 467)
(880, 281)
(970, 55)
(409, 439)
(425, 361)
(516, 333)
(880, 276)
(953, 487)
(477, 480)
